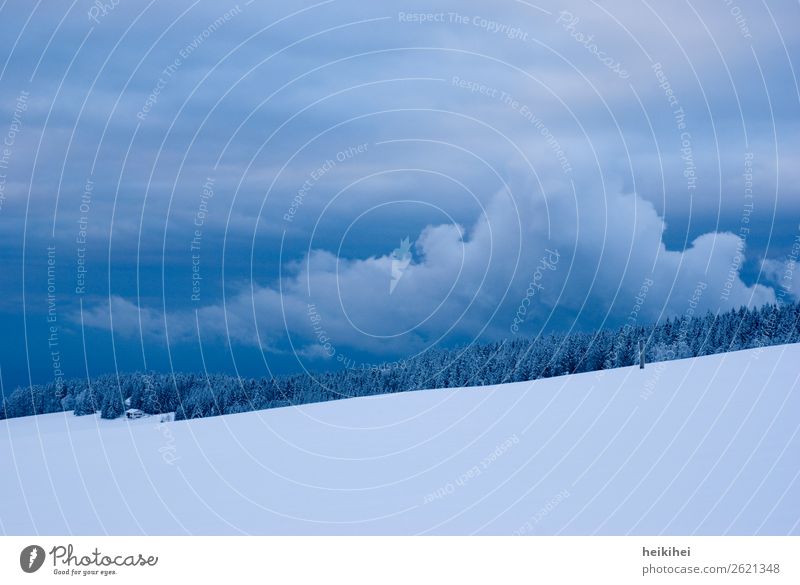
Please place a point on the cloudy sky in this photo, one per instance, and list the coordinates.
(221, 186)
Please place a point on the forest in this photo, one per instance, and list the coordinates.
(192, 395)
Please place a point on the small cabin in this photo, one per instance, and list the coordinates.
(132, 413)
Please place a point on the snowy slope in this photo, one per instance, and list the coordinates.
(706, 446)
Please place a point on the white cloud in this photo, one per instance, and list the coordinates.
(466, 280)
(783, 274)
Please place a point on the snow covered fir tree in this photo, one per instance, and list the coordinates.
(196, 395)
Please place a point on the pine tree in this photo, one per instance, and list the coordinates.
(113, 406)
(85, 403)
(149, 402)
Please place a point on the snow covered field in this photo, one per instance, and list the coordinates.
(700, 446)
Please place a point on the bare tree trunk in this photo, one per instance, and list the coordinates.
(641, 354)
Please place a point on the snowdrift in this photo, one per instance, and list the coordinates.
(699, 446)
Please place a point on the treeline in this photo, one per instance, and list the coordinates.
(196, 395)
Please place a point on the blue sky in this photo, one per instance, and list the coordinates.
(570, 165)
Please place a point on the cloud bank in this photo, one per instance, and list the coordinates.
(602, 260)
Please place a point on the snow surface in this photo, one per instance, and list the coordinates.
(700, 446)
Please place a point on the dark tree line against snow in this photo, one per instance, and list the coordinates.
(197, 395)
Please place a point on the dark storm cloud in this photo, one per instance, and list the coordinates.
(641, 141)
